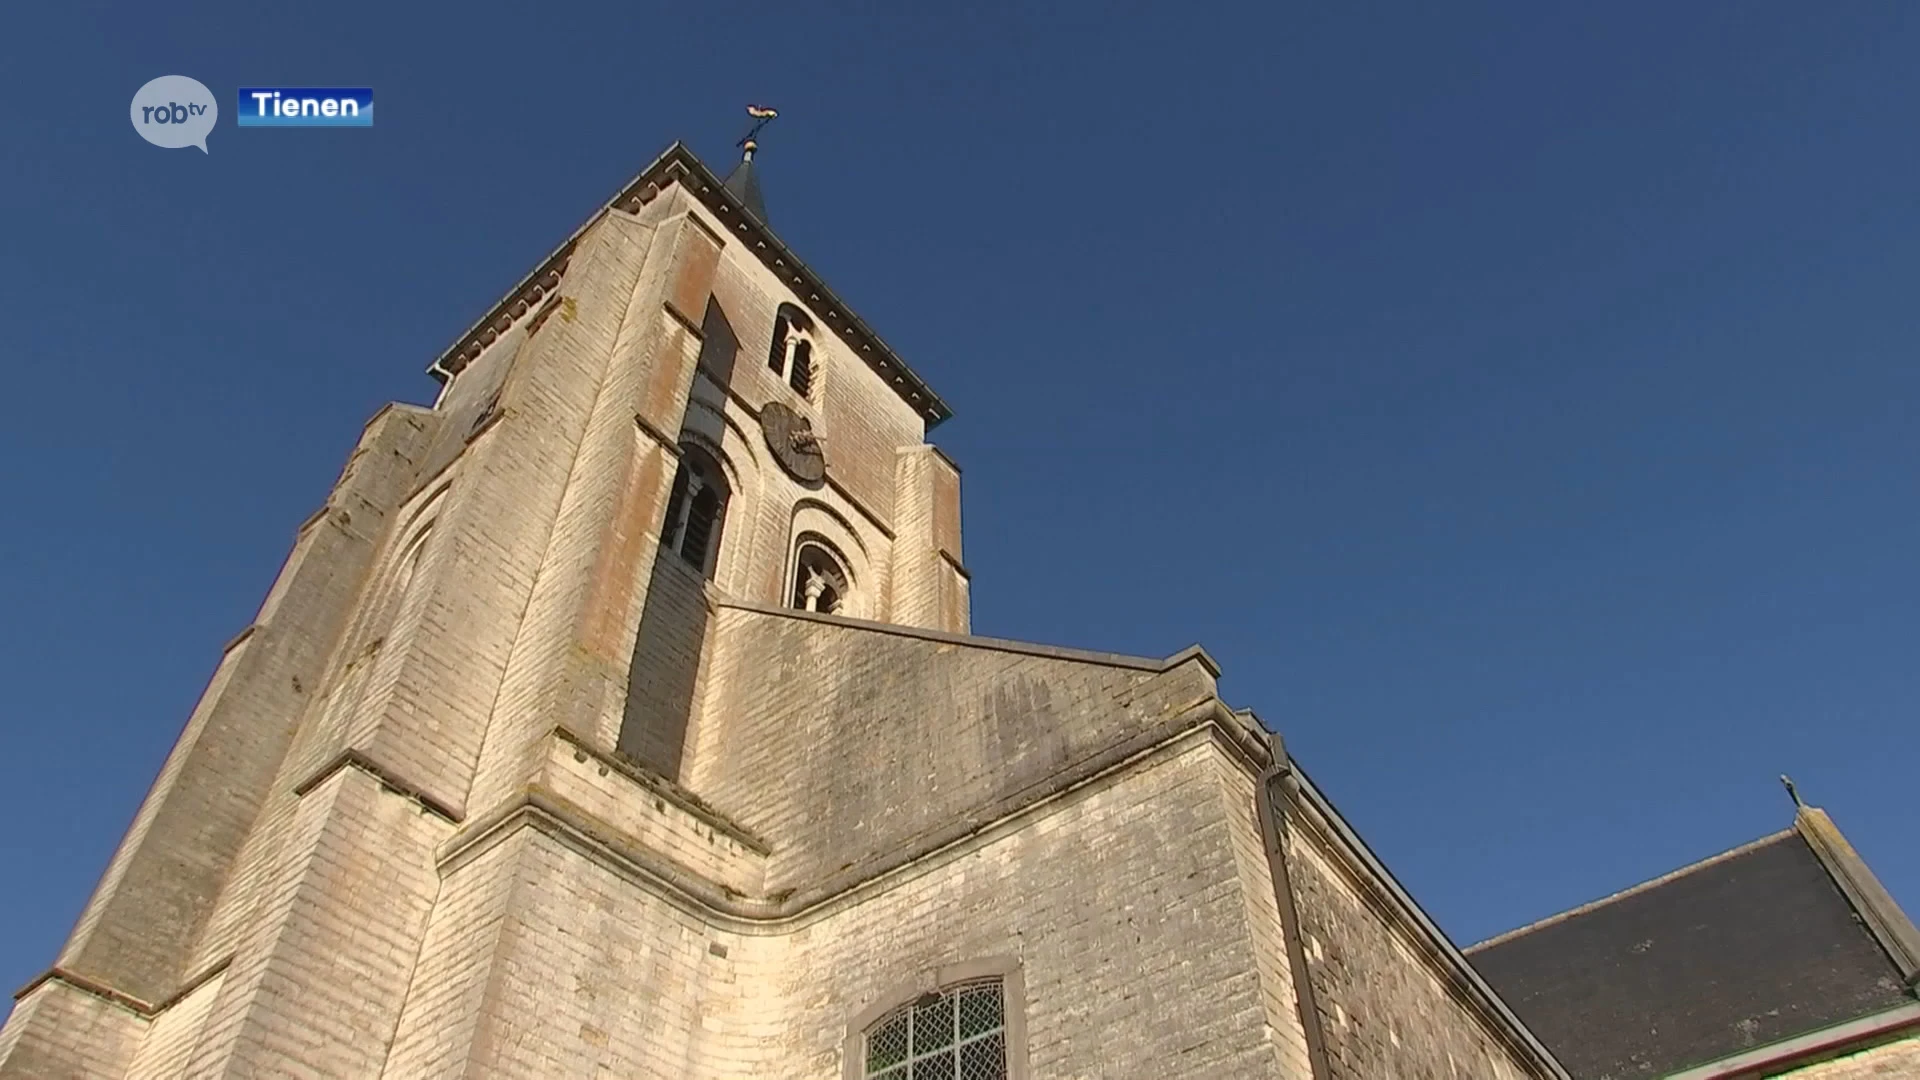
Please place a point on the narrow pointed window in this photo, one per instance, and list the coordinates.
(696, 509)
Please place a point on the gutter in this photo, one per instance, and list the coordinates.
(1273, 836)
(1811, 1048)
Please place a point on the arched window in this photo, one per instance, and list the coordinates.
(791, 354)
(820, 581)
(696, 509)
(782, 329)
(959, 1032)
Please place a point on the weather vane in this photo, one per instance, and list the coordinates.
(761, 114)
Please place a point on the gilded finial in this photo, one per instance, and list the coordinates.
(748, 144)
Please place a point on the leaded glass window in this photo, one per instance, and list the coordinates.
(959, 1033)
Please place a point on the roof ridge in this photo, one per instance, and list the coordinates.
(1632, 890)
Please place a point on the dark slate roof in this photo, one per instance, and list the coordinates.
(1744, 949)
(743, 183)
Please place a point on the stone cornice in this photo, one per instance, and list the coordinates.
(143, 1009)
(788, 909)
(678, 165)
(355, 758)
(1190, 654)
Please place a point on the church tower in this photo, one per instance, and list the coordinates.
(618, 715)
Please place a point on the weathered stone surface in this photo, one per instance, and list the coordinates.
(502, 787)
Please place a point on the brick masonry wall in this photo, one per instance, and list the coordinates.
(1899, 1060)
(571, 657)
(171, 1038)
(316, 985)
(861, 420)
(1383, 1007)
(451, 985)
(1279, 997)
(158, 893)
(444, 679)
(653, 817)
(663, 665)
(1123, 904)
(879, 739)
(364, 934)
(592, 975)
(926, 589)
(60, 1033)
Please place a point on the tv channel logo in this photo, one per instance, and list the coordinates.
(301, 106)
(174, 111)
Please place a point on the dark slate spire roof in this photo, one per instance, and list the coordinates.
(744, 184)
(1750, 947)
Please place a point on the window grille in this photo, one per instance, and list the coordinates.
(956, 1034)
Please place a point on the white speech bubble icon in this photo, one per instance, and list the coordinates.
(174, 111)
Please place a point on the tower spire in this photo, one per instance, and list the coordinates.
(744, 180)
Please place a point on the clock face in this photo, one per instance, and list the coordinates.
(791, 439)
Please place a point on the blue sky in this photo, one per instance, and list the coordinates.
(1517, 399)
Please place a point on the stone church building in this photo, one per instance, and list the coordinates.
(619, 716)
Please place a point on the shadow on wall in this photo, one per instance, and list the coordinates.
(673, 619)
(666, 662)
(719, 345)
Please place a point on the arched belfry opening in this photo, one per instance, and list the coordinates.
(820, 579)
(696, 510)
(791, 354)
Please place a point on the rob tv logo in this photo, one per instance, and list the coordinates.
(174, 111)
(295, 106)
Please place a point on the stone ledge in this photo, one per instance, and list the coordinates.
(596, 839)
(355, 758)
(686, 801)
(965, 574)
(143, 1009)
(236, 640)
(1051, 652)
